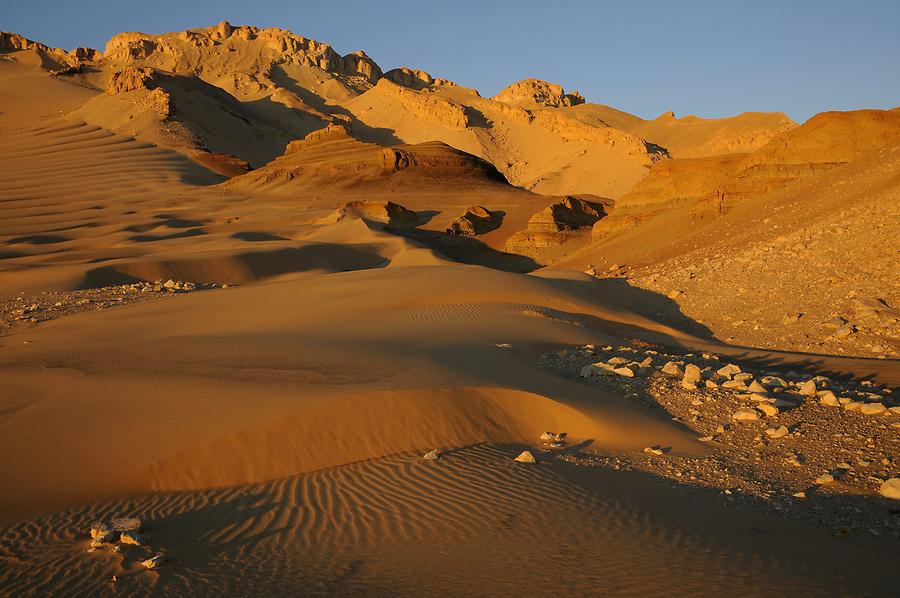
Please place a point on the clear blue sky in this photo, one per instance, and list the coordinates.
(714, 58)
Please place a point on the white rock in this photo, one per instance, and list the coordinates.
(525, 457)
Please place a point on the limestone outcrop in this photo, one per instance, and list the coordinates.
(536, 92)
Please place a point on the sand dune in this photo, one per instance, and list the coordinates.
(416, 523)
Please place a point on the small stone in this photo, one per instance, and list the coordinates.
(672, 369)
(745, 415)
(132, 538)
(548, 436)
(844, 331)
(769, 410)
(808, 389)
(653, 450)
(432, 455)
(791, 317)
(872, 408)
(890, 488)
(154, 562)
(169, 284)
(525, 457)
(729, 370)
(775, 433)
(825, 478)
(127, 524)
(705, 438)
(625, 372)
(757, 388)
(734, 384)
(829, 400)
(799, 494)
(711, 384)
(102, 529)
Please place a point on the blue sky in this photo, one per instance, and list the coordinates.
(706, 58)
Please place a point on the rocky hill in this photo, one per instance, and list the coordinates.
(232, 98)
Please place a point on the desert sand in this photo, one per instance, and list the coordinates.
(247, 283)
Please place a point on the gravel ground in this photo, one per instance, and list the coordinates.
(795, 454)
